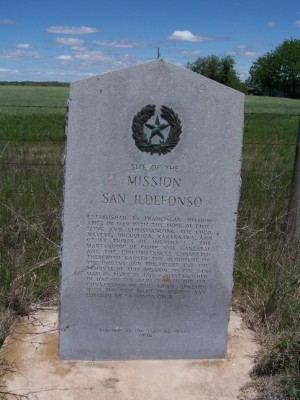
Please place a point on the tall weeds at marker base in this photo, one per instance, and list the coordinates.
(267, 289)
(267, 284)
(31, 178)
(29, 265)
(267, 260)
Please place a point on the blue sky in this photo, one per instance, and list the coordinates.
(69, 40)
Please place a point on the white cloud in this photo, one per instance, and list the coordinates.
(92, 56)
(69, 41)
(71, 30)
(86, 61)
(271, 24)
(244, 75)
(23, 46)
(72, 65)
(248, 51)
(78, 48)
(297, 23)
(245, 51)
(19, 55)
(7, 21)
(8, 71)
(188, 36)
(189, 52)
(64, 58)
(122, 44)
(86, 56)
(251, 54)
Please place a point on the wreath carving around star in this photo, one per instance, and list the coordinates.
(141, 139)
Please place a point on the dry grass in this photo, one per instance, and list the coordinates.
(267, 289)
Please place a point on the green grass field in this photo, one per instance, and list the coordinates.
(271, 105)
(267, 261)
(33, 96)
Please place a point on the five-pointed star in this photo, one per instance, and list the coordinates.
(156, 129)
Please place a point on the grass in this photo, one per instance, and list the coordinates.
(32, 113)
(31, 180)
(32, 124)
(267, 260)
(271, 105)
(33, 96)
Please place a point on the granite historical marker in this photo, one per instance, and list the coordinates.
(152, 182)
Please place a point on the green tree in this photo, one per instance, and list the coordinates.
(264, 74)
(278, 70)
(289, 54)
(219, 69)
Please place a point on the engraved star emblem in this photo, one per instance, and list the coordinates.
(156, 129)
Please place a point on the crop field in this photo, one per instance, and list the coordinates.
(267, 260)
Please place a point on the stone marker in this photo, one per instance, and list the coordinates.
(151, 192)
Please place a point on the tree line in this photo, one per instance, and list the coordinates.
(31, 83)
(275, 73)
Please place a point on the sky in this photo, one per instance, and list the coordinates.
(62, 40)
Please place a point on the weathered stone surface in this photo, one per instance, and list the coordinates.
(148, 239)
